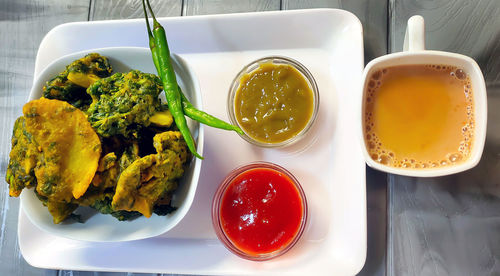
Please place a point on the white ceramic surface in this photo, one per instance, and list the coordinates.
(106, 228)
(415, 53)
(328, 162)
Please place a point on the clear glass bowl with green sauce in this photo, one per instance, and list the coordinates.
(274, 100)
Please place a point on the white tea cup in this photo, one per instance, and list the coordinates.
(414, 53)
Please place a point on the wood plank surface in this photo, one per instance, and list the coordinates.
(200, 7)
(466, 27)
(127, 9)
(450, 225)
(22, 26)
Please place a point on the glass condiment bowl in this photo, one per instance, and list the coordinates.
(217, 203)
(251, 67)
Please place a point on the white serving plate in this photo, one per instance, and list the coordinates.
(98, 227)
(328, 162)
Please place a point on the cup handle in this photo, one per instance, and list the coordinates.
(415, 34)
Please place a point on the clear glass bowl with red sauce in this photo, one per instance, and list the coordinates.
(259, 211)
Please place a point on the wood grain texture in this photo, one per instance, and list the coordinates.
(127, 9)
(466, 27)
(312, 4)
(22, 26)
(199, 7)
(451, 225)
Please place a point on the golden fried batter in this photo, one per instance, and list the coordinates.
(60, 210)
(151, 177)
(20, 172)
(107, 172)
(69, 149)
(71, 84)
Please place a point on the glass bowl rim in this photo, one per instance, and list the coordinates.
(311, 81)
(216, 222)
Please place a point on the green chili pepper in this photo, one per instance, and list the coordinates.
(152, 45)
(159, 48)
(161, 58)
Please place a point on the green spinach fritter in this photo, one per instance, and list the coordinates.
(123, 103)
(71, 84)
(152, 177)
(141, 156)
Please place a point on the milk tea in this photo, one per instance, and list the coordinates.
(418, 116)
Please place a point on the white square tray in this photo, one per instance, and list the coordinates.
(328, 162)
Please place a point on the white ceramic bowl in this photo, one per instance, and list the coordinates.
(105, 228)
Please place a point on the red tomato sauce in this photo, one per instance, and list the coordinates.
(261, 211)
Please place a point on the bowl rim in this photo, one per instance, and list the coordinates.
(254, 65)
(216, 204)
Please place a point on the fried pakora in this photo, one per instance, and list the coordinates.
(107, 172)
(71, 84)
(101, 202)
(153, 176)
(23, 157)
(100, 193)
(112, 146)
(59, 210)
(69, 148)
(123, 103)
(68, 151)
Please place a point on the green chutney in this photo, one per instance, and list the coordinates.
(273, 103)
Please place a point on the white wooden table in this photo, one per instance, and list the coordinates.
(438, 226)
